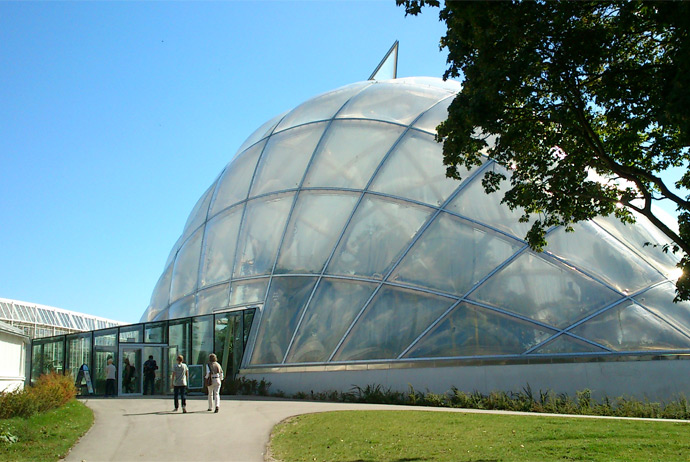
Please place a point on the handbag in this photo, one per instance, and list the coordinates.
(209, 380)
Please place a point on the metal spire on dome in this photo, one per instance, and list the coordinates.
(388, 67)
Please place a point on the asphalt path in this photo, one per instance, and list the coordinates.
(146, 429)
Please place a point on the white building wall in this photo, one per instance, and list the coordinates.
(654, 380)
(12, 360)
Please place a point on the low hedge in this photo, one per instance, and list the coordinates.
(51, 391)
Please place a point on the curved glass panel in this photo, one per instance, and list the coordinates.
(594, 250)
(474, 203)
(434, 116)
(322, 107)
(199, 212)
(415, 170)
(161, 293)
(219, 246)
(186, 269)
(391, 322)
(182, 308)
(391, 101)
(659, 300)
(629, 327)
(285, 158)
(211, 299)
(432, 264)
(258, 244)
(234, 183)
(474, 331)
(636, 236)
(544, 291)
(317, 222)
(334, 306)
(261, 132)
(284, 303)
(378, 232)
(566, 344)
(247, 292)
(350, 152)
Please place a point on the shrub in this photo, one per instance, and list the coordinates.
(51, 390)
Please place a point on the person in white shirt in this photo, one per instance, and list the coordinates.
(110, 378)
(180, 377)
(215, 373)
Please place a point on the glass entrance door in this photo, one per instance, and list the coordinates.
(136, 376)
(131, 370)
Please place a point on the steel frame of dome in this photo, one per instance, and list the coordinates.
(194, 300)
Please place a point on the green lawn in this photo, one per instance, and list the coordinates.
(47, 436)
(365, 436)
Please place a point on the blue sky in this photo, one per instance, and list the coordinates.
(117, 116)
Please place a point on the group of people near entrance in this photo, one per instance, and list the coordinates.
(213, 377)
(179, 379)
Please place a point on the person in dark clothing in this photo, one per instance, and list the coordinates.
(150, 368)
(128, 377)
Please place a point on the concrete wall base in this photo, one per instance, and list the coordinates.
(653, 380)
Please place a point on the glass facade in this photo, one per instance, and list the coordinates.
(337, 221)
(226, 334)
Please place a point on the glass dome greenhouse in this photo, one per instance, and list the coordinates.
(337, 221)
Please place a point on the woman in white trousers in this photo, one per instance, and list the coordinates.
(215, 372)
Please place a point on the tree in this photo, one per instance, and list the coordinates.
(586, 103)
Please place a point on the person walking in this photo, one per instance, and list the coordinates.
(150, 368)
(214, 377)
(128, 377)
(180, 377)
(110, 378)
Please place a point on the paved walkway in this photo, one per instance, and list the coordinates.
(145, 429)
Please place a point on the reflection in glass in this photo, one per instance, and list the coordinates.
(474, 203)
(434, 116)
(544, 291)
(474, 331)
(642, 237)
(227, 329)
(131, 334)
(350, 152)
(392, 101)
(259, 241)
(322, 107)
(219, 246)
(334, 306)
(379, 231)
(155, 332)
(160, 296)
(105, 347)
(317, 222)
(659, 300)
(452, 256)
(211, 299)
(247, 292)
(185, 271)
(179, 339)
(415, 170)
(200, 211)
(182, 308)
(202, 339)
(78, 353)
(566, 344)
(391, 322)
(594, 250)
(285, 158)
(284, 303)
(233, 185)
(629, 327)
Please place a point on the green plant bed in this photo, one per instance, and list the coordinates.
(46, 436)
(451, 436)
